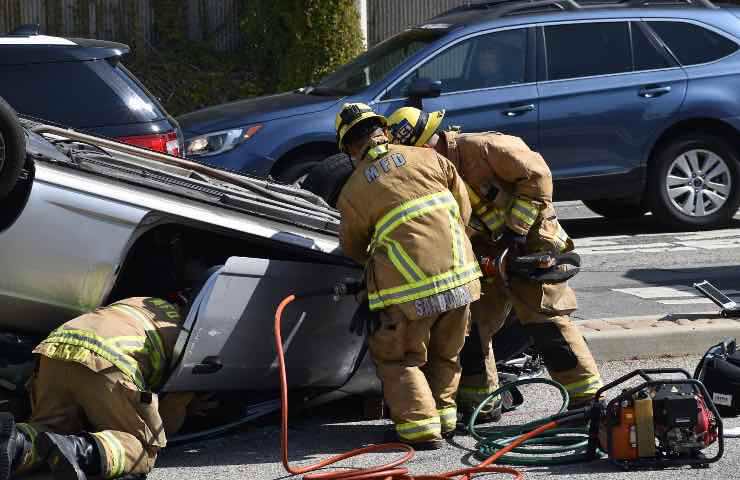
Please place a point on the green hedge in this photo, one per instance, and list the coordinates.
(286, 44)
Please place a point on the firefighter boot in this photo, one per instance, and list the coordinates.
(13, 446)
(70, 457)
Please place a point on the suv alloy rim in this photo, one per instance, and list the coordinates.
(698, 182)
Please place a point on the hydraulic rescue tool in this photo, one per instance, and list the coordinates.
(659, 423)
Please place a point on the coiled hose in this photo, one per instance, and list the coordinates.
(393, 470)
(557, 446)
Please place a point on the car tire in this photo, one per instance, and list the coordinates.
(617, 208)
(683, 194)
(328, 177)
(12, 148)
(299, 168)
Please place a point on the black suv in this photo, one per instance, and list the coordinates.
(81, 84)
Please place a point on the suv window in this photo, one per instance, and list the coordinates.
(587, 49)
(692, 44)
(79, 94)
(647, 55)
(486, 61)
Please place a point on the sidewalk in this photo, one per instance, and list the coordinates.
(632, 338)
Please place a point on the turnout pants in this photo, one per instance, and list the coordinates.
(543, 311)
(417, 362)
(69, 398)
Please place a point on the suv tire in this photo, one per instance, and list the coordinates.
(12, 149)
(617, 208)
(300, 167)
(683, 194)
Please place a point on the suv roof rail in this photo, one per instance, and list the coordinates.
(509, 6)
(640, 3)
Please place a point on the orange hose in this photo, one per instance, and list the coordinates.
(388, 471)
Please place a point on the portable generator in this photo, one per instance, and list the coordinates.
(661, 422)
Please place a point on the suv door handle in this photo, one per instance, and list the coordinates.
(517, 110)
(652, 91)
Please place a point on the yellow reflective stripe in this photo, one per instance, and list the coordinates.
(584, 388)
(561, 238)
(458, 250)
(476, 390)
(448, 418)
(494, 219)
(425, 288)
(156, 354)
(30, 458)
(116, 454)
(410, 210)
(474, 198)
(421, 429)
(524, 211)
(377, 152)
(403, 262)
(99, 346)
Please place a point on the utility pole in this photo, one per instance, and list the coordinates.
(361, 6)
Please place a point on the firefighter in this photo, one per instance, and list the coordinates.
(510, 189)
(404, 212)
(93, 407)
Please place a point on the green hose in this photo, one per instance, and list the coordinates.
(555, 447)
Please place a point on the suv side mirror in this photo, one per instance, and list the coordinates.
(423, 88)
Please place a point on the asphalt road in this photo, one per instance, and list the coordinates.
(315, 435)
(633, 267)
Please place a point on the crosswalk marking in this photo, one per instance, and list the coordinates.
(659, 242)
(678, 295)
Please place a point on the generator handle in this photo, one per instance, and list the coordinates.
(645, 374)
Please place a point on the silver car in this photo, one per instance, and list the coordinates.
(107, 221)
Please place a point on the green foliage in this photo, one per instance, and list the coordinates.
(292, 43)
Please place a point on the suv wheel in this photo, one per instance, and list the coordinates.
(617, 208)
(300, 167)
(328, 177)
(694, 182)
(12, 149)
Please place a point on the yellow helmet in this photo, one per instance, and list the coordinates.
(350, 115)
(413, 127)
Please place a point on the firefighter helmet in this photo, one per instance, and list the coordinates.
(352, 114)
(413, 127)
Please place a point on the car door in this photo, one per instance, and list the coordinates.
(227, 342)
(606, 91)
(488, 83)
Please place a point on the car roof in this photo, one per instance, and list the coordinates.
(494, 13)
(25, 45)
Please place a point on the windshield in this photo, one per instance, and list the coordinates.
(376, 63)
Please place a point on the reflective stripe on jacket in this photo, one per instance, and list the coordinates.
(404, 211)
(136, 336)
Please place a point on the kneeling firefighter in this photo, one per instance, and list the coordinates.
(404, 212)
(93, 410)
(510, 190)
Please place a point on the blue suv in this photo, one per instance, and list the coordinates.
(635, 105)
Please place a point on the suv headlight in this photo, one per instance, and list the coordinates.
(219, 142)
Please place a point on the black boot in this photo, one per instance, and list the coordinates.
(13, 445)
(70, 457)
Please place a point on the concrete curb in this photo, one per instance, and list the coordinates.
(632, 338)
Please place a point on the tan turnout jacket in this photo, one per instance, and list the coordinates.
(404, 211)
(511, 185)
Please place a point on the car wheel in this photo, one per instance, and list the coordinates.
(299, 168)
(12, 148)
(617, 208)
(328, 177)
(694, 182)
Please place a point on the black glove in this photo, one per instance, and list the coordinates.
(516, 243)
(365, 322)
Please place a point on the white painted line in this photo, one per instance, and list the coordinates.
(688, 301)
(637, 249)
(716, 244)
(655, 292)
(709, 235)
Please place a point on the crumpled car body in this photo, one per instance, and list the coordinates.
(107, 221)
